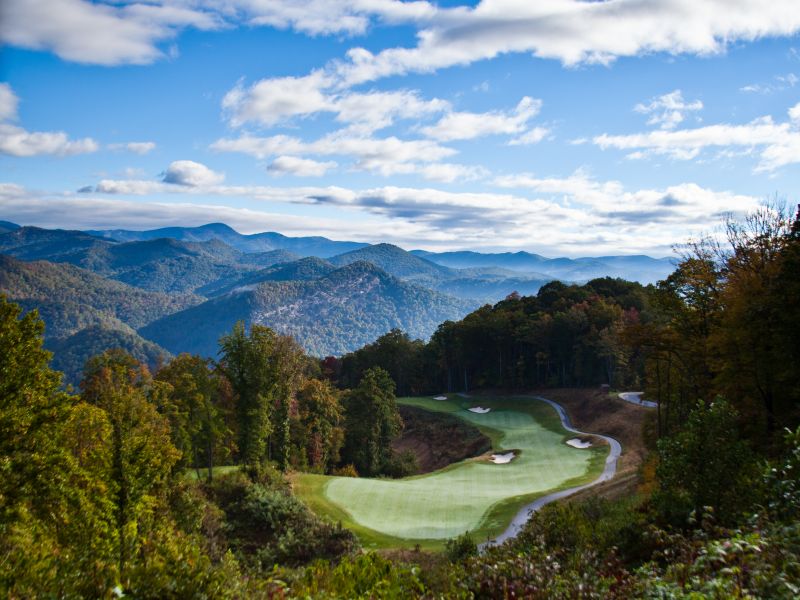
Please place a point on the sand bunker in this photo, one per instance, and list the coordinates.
(440, 397)
(502, 459)
(479, 409)
(577, 443)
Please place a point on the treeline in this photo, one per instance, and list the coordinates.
(725, 323)
(566, 335)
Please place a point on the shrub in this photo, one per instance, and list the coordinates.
(460, 548)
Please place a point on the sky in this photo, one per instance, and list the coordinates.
(562, 127)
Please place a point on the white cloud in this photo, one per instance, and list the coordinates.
(668, 111)
(301, 167)
(324, 17)
(141, 147)
(98, 33)
(794, 114)
(450, 172)
(368, 112)
(467, 125)
(191, 174)
(8, 103)
(534, 136)
(17, 141)
(576, 214)
(574, 32)
(135, 147)
(778, 84)
(273, 101)
(387, 156)
(779, 143)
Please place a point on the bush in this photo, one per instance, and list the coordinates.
(266, 525)
(460, 548)
(346, 471)
(402, 465)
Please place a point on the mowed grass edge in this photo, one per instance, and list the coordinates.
(311, 488)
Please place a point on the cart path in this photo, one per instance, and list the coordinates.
(636, 398)
(610, 469)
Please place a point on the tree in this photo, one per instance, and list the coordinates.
(705, 464)
(265, 370)
(56, 527)
(194, 393)
(319, 433)
(372, 422)
(142, 454)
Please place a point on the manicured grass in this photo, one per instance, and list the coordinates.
(473, 495)
(221, 470)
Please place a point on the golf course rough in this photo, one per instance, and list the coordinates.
(466, 496)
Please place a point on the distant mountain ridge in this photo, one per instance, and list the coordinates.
(256, 242)
(641, 268)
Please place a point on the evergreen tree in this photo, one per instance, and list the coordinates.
(372, 422)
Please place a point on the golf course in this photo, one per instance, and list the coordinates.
(475, 495)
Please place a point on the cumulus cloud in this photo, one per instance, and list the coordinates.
(323, 17)
(301, 167)
(16, 141)
(386, 156)
(97, 32)
(191, 174)
(668, 111)
(534, 136)
(275, 100)
(574, 32)
(135, 147)
(467, 125)
(8, 103)
(450, 172)
(777, 143)
(686, 204)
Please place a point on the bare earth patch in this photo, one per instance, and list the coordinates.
(592, 410)
(438, 439)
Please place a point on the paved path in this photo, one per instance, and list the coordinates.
(524, 513)
(636, 398)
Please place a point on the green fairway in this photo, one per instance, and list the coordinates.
(473, 495)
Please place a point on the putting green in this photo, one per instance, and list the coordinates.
(473, 495)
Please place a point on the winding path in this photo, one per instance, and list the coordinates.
(524, 513)
(636, 398)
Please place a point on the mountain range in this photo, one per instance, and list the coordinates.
(178, 289)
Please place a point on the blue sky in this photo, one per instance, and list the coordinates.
(561, 127)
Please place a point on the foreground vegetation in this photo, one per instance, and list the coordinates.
(95, 501)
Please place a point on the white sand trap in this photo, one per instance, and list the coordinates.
(577, 443)
(440, 397)
(502, 459)
(479, 409)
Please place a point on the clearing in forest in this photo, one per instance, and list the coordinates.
(473, 495)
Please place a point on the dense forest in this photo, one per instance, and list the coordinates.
(113, 490)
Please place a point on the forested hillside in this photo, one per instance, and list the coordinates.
(331, 315)
(563, 336)
(71, 298)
